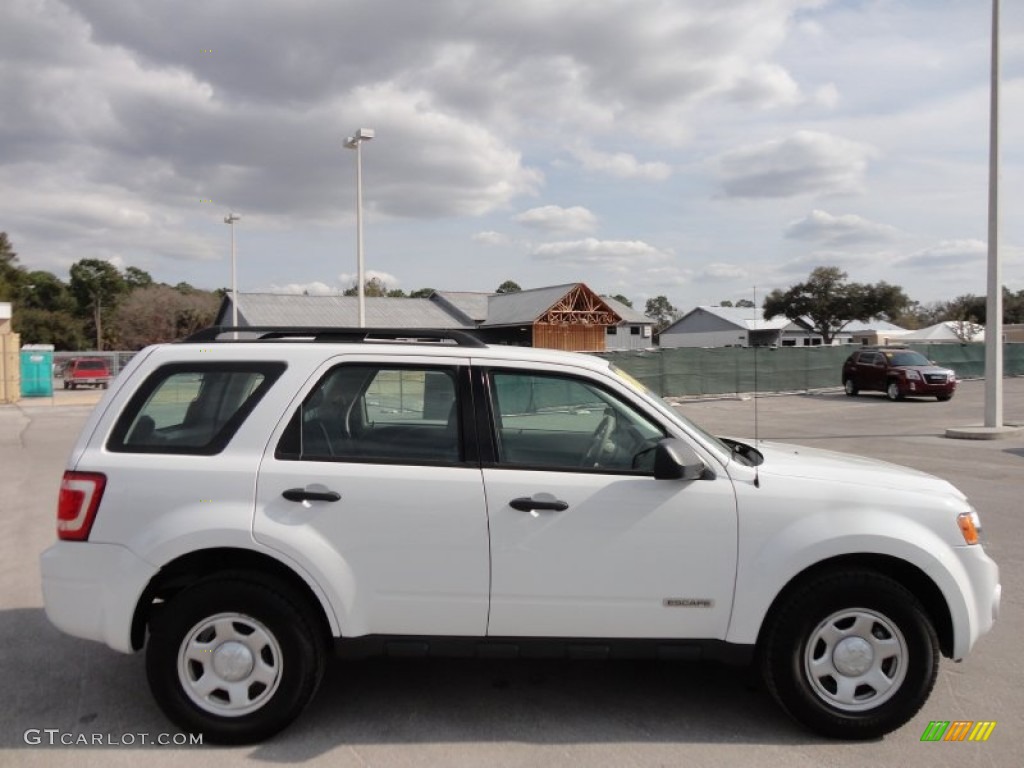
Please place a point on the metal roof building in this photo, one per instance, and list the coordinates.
(569, 317)
(293, 310)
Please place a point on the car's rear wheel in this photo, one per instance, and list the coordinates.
(850, 387)
(235, 658)
(851, 655)
(892, 390)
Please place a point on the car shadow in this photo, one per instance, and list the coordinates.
(94, 690)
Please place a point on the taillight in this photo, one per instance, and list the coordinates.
(80, 494)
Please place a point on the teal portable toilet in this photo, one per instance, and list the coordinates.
(37, 370)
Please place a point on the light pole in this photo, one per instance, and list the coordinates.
(994, 301)
(231, 219)
(355, 142)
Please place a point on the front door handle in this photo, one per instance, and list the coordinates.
(526, 504)
(301, 494)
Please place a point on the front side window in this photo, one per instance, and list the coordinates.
(364, 412)
(561, 422)
(191, 408)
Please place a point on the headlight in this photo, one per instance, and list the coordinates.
(913, 376)
(970, 526)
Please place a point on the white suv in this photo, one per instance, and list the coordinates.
(239, 506)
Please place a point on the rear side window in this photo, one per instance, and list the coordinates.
(191, 408)
(370, 413)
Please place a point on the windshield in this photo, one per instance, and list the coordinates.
(907, 358)
(659, 402)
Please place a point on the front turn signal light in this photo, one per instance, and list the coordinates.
(970, 526)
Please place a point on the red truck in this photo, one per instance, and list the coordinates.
(86, 372)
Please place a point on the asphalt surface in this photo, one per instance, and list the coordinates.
(477, 713)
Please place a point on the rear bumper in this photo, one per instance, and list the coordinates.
(91, 590)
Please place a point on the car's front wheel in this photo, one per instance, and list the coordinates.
(235, 658)
(943, 398)
(892, 390)
(851, 655)
(850, 387)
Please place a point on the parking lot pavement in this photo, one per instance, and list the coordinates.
(477, 713)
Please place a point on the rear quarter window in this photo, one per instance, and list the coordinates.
(191, 408)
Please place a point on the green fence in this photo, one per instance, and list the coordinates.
(722, 370)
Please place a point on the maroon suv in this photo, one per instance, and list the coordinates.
(898, 373)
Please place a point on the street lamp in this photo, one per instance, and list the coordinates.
(355, 142)
(994, 299)
(231, 219)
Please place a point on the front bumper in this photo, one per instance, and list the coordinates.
(91, 590)
(981, 601)
(923, 388)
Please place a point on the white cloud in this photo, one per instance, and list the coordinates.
(808, 162)
(827, 96)
(554, 218)
(722, 272)
(620, 164)
(347, 280)
(847, 229)
(490, 237)
(947, 253)
(315, 288)
(616, 255)
(768, 86)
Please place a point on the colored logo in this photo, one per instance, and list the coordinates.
(958, 730)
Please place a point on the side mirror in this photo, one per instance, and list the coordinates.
(674, 459)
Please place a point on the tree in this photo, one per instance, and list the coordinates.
(745, 303)
(509, 286)
(725, 303)
(421, 293)
(44, 326)
(137, 278)
(374, 288)
(831, 303)
(661, 311)
(966, 316)
(160, 313)
(622, 300)
(44, 290)
(96, 283)
(11, 274)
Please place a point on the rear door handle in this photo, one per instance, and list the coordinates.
(526, 504)
(301, 494)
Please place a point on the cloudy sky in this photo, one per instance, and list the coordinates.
(691, 148)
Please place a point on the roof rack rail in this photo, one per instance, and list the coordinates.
(250, 333)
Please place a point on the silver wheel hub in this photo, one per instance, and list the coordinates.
(852, 656)
(856, 659)
(230, 665)
(232, 661)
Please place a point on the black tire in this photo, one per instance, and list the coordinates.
(892, 390)
(850, 655)
(850, 388)
(262, 642)
(943, 398)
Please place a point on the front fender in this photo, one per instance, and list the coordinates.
(769, 565)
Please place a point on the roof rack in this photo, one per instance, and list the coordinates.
(249, 333)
